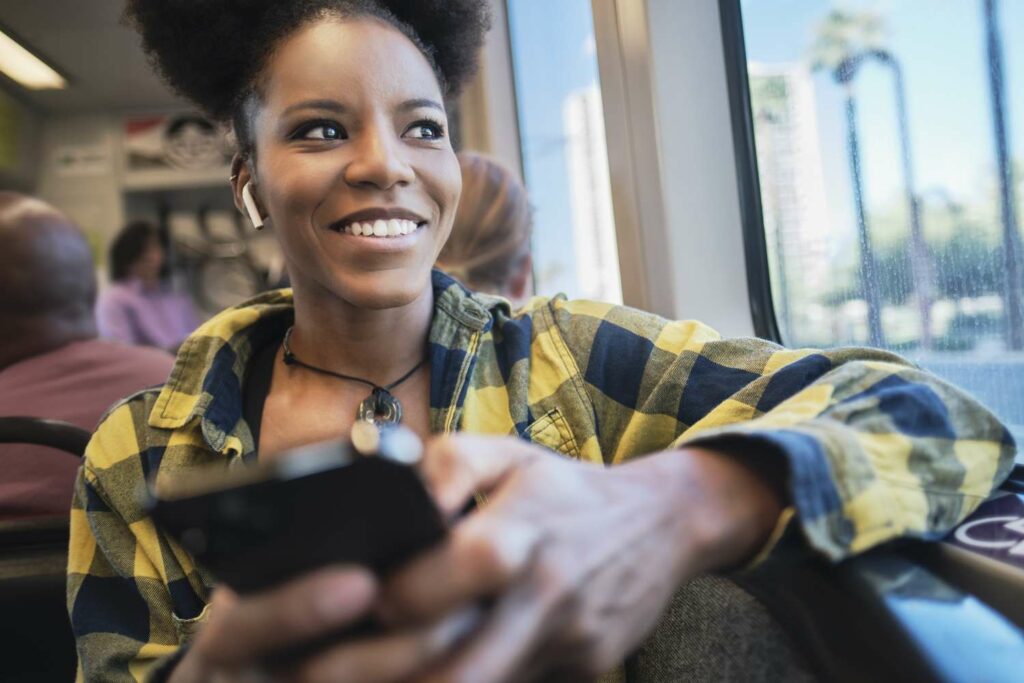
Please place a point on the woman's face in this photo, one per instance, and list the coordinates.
(352, 137)
(150, 262)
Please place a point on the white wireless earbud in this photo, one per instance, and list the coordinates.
(250, 207)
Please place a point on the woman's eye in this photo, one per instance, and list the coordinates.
(426, 130)
(321, 131)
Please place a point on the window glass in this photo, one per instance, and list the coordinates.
(892, 180)
(561, 126)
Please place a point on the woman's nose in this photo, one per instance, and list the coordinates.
(378, 161)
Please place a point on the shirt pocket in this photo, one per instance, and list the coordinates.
(187, 628)
(551, 430)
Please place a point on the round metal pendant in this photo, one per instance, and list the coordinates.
(380, 408)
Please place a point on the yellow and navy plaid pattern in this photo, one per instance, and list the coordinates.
(875, 448)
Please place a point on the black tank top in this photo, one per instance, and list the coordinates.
(255, 390)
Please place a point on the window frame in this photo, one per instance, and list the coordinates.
(626, 97)
(748, 179)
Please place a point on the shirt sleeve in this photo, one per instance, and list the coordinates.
(875, 448)
(118, 601)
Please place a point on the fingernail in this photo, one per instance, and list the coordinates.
(455, 628)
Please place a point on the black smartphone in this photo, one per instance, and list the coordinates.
(330, 503)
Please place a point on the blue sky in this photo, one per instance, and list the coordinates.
(553, 55)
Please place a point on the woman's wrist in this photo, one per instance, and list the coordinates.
(724, 510)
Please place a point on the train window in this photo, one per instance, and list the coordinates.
(563, 148)
(892, 182)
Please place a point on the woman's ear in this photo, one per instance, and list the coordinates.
(243, 187)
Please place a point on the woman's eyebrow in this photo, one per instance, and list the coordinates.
(421, 102)
(328, 105)
(338, 107)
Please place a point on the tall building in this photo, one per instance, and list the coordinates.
(791, 170)
(597, 257)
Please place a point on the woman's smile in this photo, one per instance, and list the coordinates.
(380, 231)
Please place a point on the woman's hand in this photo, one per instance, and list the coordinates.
(579, 560)
(243, 631)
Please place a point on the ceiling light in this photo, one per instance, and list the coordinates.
(25, 68)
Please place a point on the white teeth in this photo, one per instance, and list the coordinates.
(394, 227)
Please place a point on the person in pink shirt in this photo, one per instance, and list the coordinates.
(52, 364)
(140, 307)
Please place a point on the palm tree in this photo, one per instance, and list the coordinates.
(842, 39)
(1011, 237)
(845, 42)
(920, 259)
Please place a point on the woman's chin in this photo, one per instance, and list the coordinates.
(381, 290)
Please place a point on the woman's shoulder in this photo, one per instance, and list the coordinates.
(122, 431)
(577, 323)
(587, 329)
(132, 443)
(127, 423)
(587, 317)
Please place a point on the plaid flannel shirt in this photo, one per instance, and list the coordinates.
(876, 449)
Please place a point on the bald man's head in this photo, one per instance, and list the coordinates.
(47, 278)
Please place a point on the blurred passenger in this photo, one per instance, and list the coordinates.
(139, 306)
(489, 248)
(51, 363)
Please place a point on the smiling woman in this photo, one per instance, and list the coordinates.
(339, 110)
(354, 136)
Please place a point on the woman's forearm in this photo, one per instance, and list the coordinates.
(724, 510)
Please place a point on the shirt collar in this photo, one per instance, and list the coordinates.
(206, 382)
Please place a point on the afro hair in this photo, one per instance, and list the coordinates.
(212, 51)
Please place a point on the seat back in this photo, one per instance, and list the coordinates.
(35, 633)
(63, 436)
